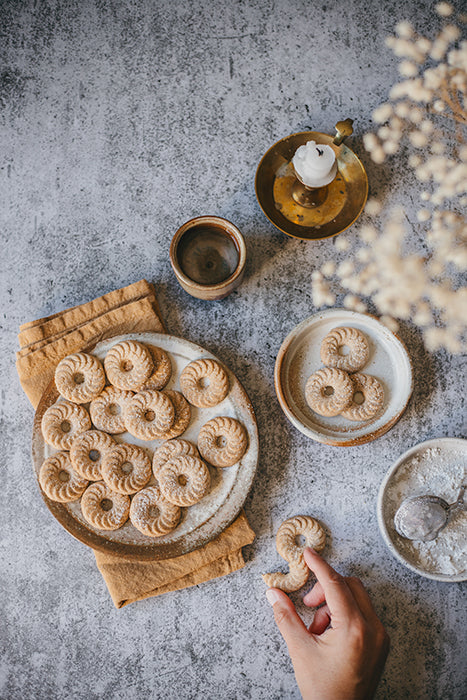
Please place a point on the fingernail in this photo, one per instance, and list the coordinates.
(272, 596)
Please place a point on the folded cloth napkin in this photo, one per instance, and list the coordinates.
(43, 343)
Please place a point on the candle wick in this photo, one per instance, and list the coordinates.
(320, 153)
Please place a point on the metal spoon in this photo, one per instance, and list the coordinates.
(423, 517)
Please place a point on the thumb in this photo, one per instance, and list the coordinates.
(290, 625)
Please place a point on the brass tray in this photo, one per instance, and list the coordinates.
(344, 200)
(201, 522)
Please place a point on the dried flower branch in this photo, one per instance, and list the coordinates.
(428, 110)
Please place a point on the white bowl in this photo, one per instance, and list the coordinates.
(452, 455)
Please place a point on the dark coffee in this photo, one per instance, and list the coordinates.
(207, 254)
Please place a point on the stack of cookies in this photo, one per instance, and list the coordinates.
(114, 480)
(340, 388)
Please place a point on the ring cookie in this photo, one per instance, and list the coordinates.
(62, 422)
(59, 481)
(329, 391)
(88, 451)
(204, 383)
(373, 397)
(222, 441)
(149, 415)
(152, 514)
(107, 410)
(128, 365)
(287, 547)
(162, 368)
(126, 468)
(182, 414)
(184, 480)
(338, 338)
(79, 377)
(170, 449)
(103, 508)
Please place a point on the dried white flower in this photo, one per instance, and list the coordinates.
(382, 113)
(422, 286)
(378, 155)
(404, 29)
(437, 147)
(390, 323)
(418, 139)
(408, 69)
(423, 215)
(328, 268)
(402, 110)
(373, 207)
(427, 127)
(444, 9)
(370, 141)
(342, 244)
(345, 268)
(368, 233)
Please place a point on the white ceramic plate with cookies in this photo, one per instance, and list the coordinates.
(299, 357)
(201, 522)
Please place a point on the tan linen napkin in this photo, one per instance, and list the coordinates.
(129, 581)
(43, 343)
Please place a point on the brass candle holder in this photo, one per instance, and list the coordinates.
(311, 213)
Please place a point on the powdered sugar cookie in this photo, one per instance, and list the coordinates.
(333, 344)
(149, 414)
(87, 452)
(184, 480)
(108, 408)
(204, 383)
(126, 468)
(288, 548)
(79, 377)
(162, 368)
(62, 422)
(170, 449)
(103, 508)
(59, 481)
(222, 441)
(128, 365)
(152, 514)
(182, 414)
(328, 391)
(372, 393)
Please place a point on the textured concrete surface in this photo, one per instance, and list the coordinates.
(120, 121)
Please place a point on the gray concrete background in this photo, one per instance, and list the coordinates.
(120, 121)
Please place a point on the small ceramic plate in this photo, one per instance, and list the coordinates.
(435, 467)
(299, 357)
(201, 522)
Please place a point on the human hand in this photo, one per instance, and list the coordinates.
(342, 654)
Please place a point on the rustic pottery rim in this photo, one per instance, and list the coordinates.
(435, 442)
(314, 435)
(229, 228)
(154, 550)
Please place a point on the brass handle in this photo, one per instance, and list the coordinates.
(343, 129)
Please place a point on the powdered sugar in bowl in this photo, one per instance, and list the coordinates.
(436, 466)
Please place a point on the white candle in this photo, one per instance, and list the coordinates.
(315, 164)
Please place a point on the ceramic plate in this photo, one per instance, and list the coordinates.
(201, 522)
(299, 357)
(437, 467)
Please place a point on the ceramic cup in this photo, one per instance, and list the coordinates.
(208, 256)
